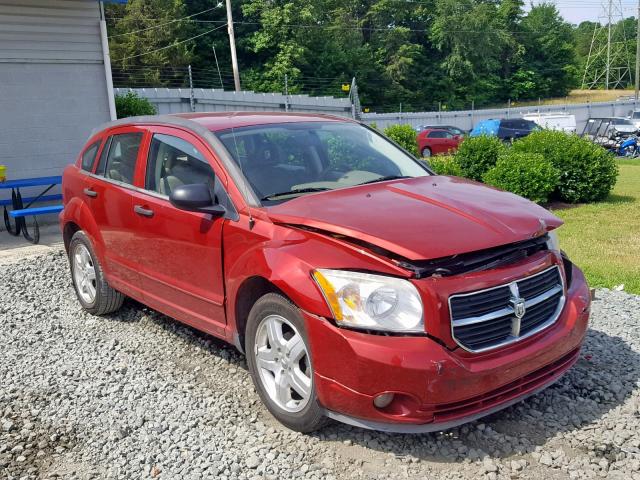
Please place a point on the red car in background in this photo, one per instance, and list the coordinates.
(361, 286)
(435, 142)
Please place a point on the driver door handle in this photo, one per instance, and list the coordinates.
(90, 193)
(145, 212)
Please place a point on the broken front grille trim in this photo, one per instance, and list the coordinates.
(509, 311)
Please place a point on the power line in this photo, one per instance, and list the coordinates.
(163, 24)
(169, 46)
(367, 29)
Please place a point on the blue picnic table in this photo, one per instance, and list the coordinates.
(21, 207)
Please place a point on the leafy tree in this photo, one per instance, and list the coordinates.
(548, 64)
(138, 51)
(415, 54)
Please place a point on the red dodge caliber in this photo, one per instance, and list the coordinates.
(361, 286)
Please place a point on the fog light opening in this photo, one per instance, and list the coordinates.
(383, 400)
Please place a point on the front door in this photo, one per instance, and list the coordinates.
(179, 253)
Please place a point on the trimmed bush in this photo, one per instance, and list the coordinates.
(587, 171)
(476, 155)
(131, 105)
(403, 135)
(529, 175)
(445, 165)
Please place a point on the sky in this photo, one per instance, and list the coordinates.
(576, 11)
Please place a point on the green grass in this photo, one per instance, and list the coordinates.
(604, 238)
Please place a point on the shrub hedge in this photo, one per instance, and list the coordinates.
(476, 155)
(131, 105)
(445, 165)
(403, 135)
(587, 172)
(529, 175)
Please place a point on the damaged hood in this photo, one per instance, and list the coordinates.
(420, 218)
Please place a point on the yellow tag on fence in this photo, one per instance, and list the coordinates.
(3, 173)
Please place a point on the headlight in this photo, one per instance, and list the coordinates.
(372, 302)
(553, 243)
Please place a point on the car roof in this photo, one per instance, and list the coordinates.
(215, 121)
(439, 129)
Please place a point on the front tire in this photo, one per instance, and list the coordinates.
(279, 360)
(93, 292)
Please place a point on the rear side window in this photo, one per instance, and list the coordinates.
(89, 156)
(121, 160)
(173, 162)
(440, 134)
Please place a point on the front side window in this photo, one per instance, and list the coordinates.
(89, 156)
(296, 158)
(121, 159)
(173, 162)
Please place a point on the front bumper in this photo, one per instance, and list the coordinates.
(437, 387)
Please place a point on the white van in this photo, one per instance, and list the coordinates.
(634, 116)
(554, 121)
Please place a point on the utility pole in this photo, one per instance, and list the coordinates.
(638, 54)
(232, 43)
(606, 84)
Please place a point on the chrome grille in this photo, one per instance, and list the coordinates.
(497, 316)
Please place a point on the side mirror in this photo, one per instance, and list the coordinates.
(195, 198)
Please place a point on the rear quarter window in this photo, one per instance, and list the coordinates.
(89, 156)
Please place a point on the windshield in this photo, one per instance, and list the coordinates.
(635, 115)
(285, 160)
(622, 121)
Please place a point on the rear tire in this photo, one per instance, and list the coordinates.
(426, 152)
(93, 292)
(279, 360)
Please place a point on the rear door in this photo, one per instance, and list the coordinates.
(437, 141)
(179, 253)
(450, 143)
(109, 196)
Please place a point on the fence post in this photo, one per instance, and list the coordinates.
(192, 99)
(473, 108)
(508, 108)
(356, 108)
(286, 93)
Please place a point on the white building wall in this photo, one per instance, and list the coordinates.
(52, 83)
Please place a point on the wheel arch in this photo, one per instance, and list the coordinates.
(78, 216)
(251, 289)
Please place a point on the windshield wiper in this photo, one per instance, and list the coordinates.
(295, 192)
(383, 179)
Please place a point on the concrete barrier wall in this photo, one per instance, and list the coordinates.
(178, 100)
(466, 119)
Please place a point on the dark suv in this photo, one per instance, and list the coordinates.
(507, 129)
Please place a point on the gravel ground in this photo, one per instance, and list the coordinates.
(137, 395)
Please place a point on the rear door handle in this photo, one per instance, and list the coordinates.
(90, 193)
(145, 212)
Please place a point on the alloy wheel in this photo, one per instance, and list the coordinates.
(84, 273)
(283, 364)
